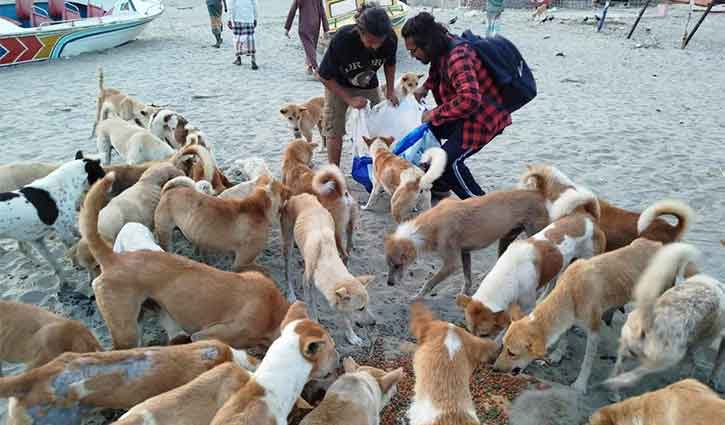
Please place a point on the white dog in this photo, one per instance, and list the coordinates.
(135, 144)
(163, 125)
(48, 204)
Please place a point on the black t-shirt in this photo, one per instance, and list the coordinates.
(351, 64)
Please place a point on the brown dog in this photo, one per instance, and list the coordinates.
(34, 336)
(242, 310)
(443, 364)
(685, 402)
(452, 229)
(303, 351)
(122, 105)
(237, 225)
(327, 184)
(302, 118)
(61, 391)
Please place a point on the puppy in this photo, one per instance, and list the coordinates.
(303, 351)
(242, 310)
(408, 185)
(237, 225)
(453, 228)
(17, 175)
(63, 390)
(443, 363)
(302, 118)
(529, 269)
(622, 226)
(195, 402)
(684, 402)
(666, 328)
(124, 106)
(357, 397)
(306, 222)
(585, 291)
(135, 144)
(35, 336)
(30, 214)
(406, 84)
(327, 184)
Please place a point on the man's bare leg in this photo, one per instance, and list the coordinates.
(334, 149)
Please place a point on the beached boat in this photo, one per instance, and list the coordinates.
(342, 12)
(32, 32)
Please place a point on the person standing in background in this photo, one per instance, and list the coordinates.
(214, 7)
(312, 14)
(494, 9)
(243, 22)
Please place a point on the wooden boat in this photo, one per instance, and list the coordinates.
(32, 32)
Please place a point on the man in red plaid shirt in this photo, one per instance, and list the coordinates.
(466, 117)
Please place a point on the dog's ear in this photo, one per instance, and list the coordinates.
(297, 311)
(313, 146)
(312, 347)
(368, 141)
(463, 300)
(302, 108)
(515, 312)
(365, 280)
(350, 365)
(283, 111)
(420, 318)
(79, 155)
(388, 140)
(301, 403)
(391, 379)
(343, 294)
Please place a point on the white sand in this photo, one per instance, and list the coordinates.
(636, 121)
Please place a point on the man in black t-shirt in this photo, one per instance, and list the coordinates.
(349, 72)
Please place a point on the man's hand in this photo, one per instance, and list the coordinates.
(357, 102)
(426, 117)
(390, 95)
(420, 93)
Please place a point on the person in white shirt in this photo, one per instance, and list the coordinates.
(243, 22)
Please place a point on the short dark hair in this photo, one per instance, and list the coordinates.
(427, 34)
(374, 20)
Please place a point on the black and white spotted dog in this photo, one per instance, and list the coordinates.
(49, 204)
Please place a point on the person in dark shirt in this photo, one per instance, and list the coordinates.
(349, 71)
(466, 117)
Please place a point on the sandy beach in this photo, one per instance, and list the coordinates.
(634, 120)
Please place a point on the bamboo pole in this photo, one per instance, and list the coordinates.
(702, 18)
(641, 12)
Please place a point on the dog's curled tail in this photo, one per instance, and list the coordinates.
(88, 222)
(572, 199)
(660, 274)
(178, 182)
(207, 161)
(329, 182)
(437, 159)
(685, 215)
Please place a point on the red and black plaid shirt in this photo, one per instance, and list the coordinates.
(460, 85)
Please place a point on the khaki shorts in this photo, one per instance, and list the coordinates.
(335, 109)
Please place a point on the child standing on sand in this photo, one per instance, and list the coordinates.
(243, 22)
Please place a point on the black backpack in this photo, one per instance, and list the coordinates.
(510, 73)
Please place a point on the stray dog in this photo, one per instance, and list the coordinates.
(35, 336)
(443, 363)
(237, 225)
(666, 328)
(252, 168)
(453, 228)
(30, 214)
(206, 168)
(558, 189)
(62, 391)
(540, 11)
(528, 269)
(303, 351)
(585, 291)
(303, 117)
(622, 226)
(357, 397)
(327, 184)
(242, 310)
(408, 185)
(187, 134)
(135, 144)
(135, 237)
(17, 175)
(684, 402)
(193, 403)
(406, 84)
(124, 106)
(163, 125)
(306, 222)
